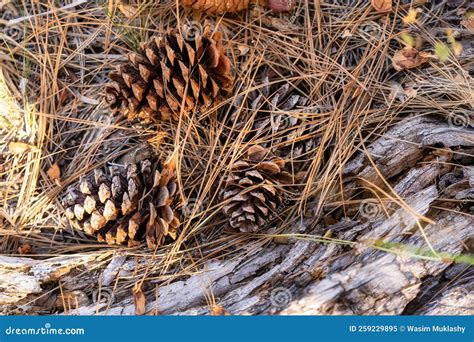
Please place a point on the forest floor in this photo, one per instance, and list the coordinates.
(379, 218)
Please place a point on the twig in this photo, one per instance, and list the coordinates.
(15, 21)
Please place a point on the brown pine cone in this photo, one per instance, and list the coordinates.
(217, 6)
(252, 191)
(171, 74)
(125, 204)
(278, 117)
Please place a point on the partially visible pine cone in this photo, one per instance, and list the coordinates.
(125, 205)
(252, 191)
(171, 74)
(281, 5)
(277, 109)
(217, 6)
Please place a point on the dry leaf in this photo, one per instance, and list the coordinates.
(382, 6)
(127, 10)
(346, 34)
(396, 92)
(243, 50)
(139, 299)
(64, 95)
(25, 249)
(411, 92)
(54, 172)
(451, 36)
(408, 58)
(457, 48)
(441, 51)
(172, 161)
(217, 310)
(468, 23)
(328, 234)
(19, 147)
(410, 18)
(281, 5)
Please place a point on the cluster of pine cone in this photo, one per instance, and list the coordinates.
(170, 76)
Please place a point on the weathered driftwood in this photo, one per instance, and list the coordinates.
(308, 277)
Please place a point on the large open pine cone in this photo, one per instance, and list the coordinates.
(278, 111)
(171, 74)
(252, 191)
(125, 204)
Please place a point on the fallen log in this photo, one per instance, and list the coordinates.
(376, 266)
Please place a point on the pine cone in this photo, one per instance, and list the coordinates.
(125, 205)
(252, 190)
(217, 6)
(278, 107)
(171, 74)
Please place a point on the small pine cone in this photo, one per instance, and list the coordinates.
(252, 189)
(171, 74)
(278, 107)
(217, 6)
(125, 205)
